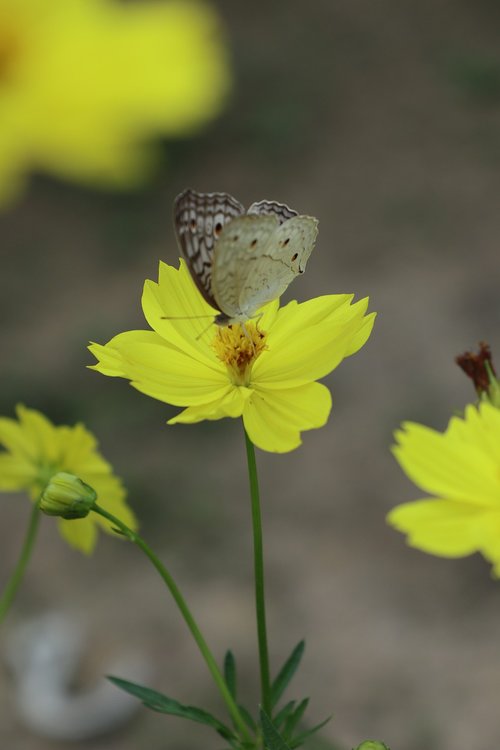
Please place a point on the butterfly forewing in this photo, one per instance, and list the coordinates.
(199, 220)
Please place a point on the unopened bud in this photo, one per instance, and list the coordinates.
(372, 745)
(67, 496)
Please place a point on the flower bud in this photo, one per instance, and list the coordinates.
(372, 745)
(67, 496)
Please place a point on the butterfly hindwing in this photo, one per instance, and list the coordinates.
(199, 219)
(272, 208)
(238, 248)
(284, 257)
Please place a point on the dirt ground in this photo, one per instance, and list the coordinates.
(383, 120)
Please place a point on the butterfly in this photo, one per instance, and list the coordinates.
(241, 260)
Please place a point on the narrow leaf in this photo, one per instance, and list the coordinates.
(230, 672)
(165, 705)
(247, 717)
(295, 717)
(273, 740)
(299, 739)
(286, 672)
(283, 715)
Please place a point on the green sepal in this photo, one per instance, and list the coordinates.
(300, 738)
(230, 673)
(294, 718)
(165, 705)
(286, 672)
(284, 713)
(273, 740)
(372, 745)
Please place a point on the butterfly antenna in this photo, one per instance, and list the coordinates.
(203, 332)
(185, 317)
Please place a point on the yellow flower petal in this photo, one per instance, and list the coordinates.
(308, 352)
(109, 356)
(440, 527)
(446, 465)
(229, 405)
(274, 419)
(461, 467)
(15, 473)
(39, 432)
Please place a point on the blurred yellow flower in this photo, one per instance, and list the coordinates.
(263, 371)
(461, 469)
(83, 84)
(36, 450)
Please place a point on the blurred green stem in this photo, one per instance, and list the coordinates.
(260, 604)
(188, 619)
(18, 574)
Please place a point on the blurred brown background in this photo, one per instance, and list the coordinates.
(382, 119)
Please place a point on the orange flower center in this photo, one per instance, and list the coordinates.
(238, 346)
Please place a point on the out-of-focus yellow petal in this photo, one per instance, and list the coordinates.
(15, 473)
(446, 466)
(85, 83)
(80, 533)
(36, 450)
(440, 527)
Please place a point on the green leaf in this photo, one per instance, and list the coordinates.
(273, 740)
(165, 705)
(283, 715)
(295, 717)
(286, 672)
(230, 672)
(247, 717)
(300, 738)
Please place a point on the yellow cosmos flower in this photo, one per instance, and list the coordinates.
(263, 371)
(84, 82)
(461, 469)
(36, 450)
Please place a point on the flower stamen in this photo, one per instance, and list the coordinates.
(238, 346)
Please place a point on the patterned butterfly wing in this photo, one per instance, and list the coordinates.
(199, 219)
(236, 256)
(272, 208)
(278, 263)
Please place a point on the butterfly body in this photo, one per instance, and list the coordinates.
(241, 260)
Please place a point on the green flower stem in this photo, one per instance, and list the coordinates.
(260, 604)
(188, 618)
(18, 574)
